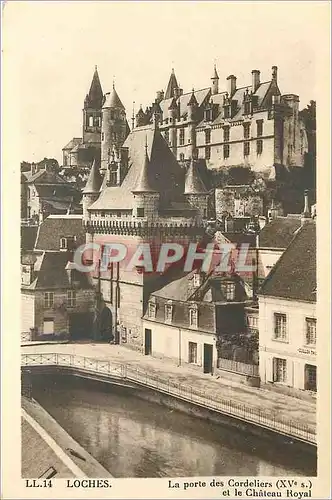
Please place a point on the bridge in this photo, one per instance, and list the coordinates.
(124, 374)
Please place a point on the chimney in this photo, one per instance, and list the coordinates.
(33, 168)
(275, 73)
(255, 80)
(231, 85)
(305, 216)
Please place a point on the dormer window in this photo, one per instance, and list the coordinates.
(67, 243)
(208, 115)
(168, 312)
(197, 280)
(193, 316)
(227, 111)
(247, 108)
(230, 291)
(140, 212)
(152, 309)
(63, 243)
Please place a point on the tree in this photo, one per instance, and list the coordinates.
(308, 115)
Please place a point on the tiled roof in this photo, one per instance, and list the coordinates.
(55, 227)
(52, 274)
(294, 275)
(74, 142)
(279, 232)
(165, 174)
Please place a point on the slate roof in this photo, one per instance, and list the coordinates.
(193, 182)
(294, 275)
(55, 227)
(200, 95)
(28, 237)
(112, 100)
(164, 173)
(94, 180)
(279, 232)
(51, 273)
(171, 86)
(94, 98)
(74, 142)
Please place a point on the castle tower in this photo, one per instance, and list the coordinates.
(192, 109)
(114, 126)
(92, 112)
(215, 81)
(195, 191)
(146, 198)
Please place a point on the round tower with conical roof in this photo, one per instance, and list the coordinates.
(195, 190)
(114, 126)
(91, 189)
(146, 198)
(215, 81)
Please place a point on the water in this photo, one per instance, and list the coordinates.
(133, 438)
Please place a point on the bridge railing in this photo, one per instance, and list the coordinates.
(248, 413)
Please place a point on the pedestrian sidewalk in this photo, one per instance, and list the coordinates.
(281, 405)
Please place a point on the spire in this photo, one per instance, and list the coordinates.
(172, 85)
(215, 74)
(193, 183)
(113, 100)
(94, 180)
(95, 96)
(192, 100)
(173, 104)
(143, 184)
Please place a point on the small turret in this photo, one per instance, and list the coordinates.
(145, 196)
(91, 189)
(215, 81)
(172, 86)
(195, 190)
(192, 106)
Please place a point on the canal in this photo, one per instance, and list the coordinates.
(134, 438)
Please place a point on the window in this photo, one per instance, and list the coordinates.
(181, 156)
(152, 310)
(181, 139)
(102, 136)
(246, 148)
(166, 135)
(226, 134)
(230, 291)
(207, 136)
(63, 243)
(71, 298)
(246, 130)
(192, 352)
(259, 128)
(310, 378)
(226, 151)
(279, 370)
(48, 299)
(168, 312)
(252, 321)
(280, 326)
(208, 115)
(197, 280)
(310, 334)
(140, 212)
(207, 152)
(90, 122)
(259, 146)
(193, 317)
(227, 111)
(247, 108)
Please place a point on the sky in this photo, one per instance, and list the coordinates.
(50, 50)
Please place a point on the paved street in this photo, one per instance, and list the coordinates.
(282, 405)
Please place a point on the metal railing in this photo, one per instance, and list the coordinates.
(238, 367)
(254, 415)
